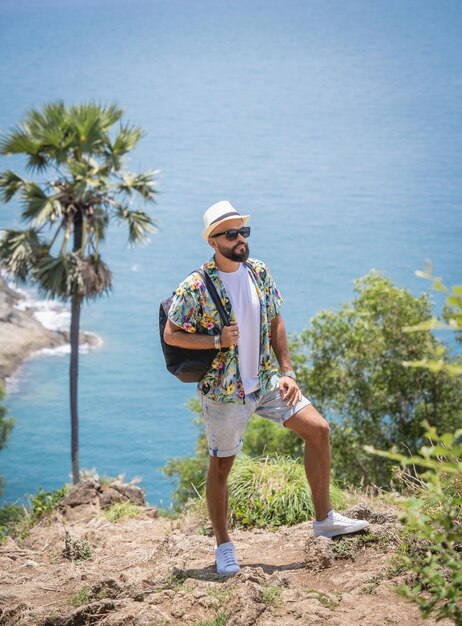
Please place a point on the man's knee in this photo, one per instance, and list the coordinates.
(309, 424)
(220, 466)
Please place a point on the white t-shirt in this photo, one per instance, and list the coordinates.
(246, 307)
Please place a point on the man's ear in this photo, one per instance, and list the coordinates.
(213, 243)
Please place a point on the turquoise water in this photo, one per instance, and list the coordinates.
(335, 125)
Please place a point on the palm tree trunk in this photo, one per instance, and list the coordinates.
(73, 377)
(74, 363)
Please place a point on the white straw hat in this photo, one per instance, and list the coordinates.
(220, 212)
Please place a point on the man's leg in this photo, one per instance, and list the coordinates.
(314, 429)
(217, 495)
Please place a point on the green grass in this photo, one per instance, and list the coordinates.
(272, 491)
(272, 596)
(81, 597)
(122, 510)
(220, 620)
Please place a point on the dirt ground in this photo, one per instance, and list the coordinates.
(153, 571)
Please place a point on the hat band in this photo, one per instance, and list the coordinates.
(222, 217)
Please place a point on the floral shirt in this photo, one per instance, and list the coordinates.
(193, 310)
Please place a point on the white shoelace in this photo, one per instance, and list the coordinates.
(228, 555)
(341, 518)
(336, 517)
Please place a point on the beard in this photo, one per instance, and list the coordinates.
(233, 254)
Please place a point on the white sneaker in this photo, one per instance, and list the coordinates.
(226, 559)
(336, 524)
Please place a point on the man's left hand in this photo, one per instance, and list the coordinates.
(290, 391)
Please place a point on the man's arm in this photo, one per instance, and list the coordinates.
(280, 344)
(176, 336)
(288, 387)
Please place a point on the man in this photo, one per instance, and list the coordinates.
(241, 380)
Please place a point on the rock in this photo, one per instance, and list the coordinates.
(105, 588)
(246, 604)
(151, 617)
(87, 614)
(319, 553)
(12, 616)
(178, 611)
(85, 492)
(121, 492)
(161, 596)
(279, 580)
(82, 502)
(151, 511)
(362, 511)
(252, 574)
(209, 602)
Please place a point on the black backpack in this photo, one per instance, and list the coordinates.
(187, 364)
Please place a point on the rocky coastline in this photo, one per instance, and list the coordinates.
(22, 335)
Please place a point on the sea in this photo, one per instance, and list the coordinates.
(335, 125)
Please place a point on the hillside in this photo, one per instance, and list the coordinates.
(151, 570)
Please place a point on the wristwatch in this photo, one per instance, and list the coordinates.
(290, 374)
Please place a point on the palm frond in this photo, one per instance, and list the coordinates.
(51, 129)
(70, 275)
(91, 122)
(126, 140)
(139, 223)
(39, 208)
(108, 115)
(89, 176)
(41, 136)
(50, 273)
(10, 184)
(144, 184)
(17, 141)
(19, 251)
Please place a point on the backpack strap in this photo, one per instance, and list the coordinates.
(214, 294)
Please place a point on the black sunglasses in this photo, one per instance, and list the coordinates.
(232, 233)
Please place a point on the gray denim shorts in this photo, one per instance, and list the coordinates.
(225, 423)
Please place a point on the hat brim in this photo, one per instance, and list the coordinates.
(211, 228)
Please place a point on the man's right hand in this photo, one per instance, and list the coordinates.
(229, 335)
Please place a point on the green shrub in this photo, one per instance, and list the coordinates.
(353, 363)
(17, 520)
(45, 501)
(11, 516)
(272, 491)
(433, 517)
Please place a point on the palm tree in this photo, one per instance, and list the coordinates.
(87, 185)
